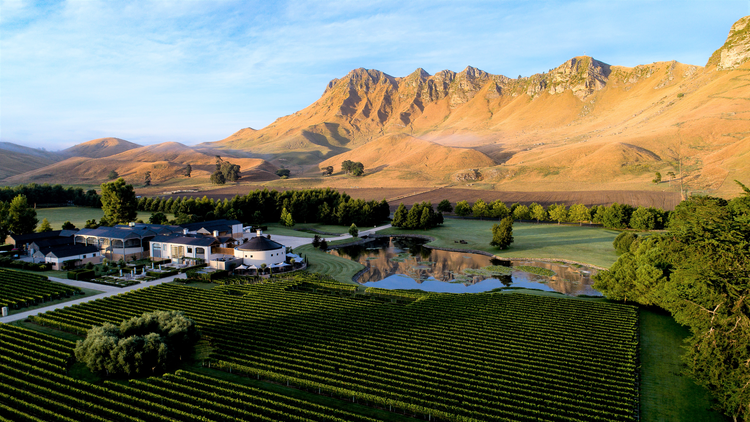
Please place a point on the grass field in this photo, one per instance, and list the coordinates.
(341, 269)
(667, 394)
(589, 245)
(78, 215)
(305, 230)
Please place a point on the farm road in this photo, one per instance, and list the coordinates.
(293, 241)
(109, 291)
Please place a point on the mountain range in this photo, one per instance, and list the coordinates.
(584, 125)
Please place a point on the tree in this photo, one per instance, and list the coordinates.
(21, 216)
(657, 178)
(425, 220)
(158, 218)
(399, 217)
(646, 218)
(463, 208)
(113, 175)
(68, 226)
(145, 345)
(499, 210)
(147, 179)
(118, 202)
(316, 241)
(230, 171)
(282, 172)
(45, 227)
(217, 178)
(91, 224)
(521, 212)
(579, 213)
(323, 245)
(445, 206)
(624, 241)
(502, 234)
(358, 169)
(188, 170)
(480, 209)
(286, 218)
(558, 212)
(537, 212)
(327, 171)
(353, 230)
(615, 216)
(4, 223)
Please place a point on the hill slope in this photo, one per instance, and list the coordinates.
(584, 124)
(165, 161)
(17, 159)
(99, 148)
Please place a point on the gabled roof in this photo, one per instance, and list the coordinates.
(47, 243)
(156, 228)
(210, 226)
(117, 232)
(21, 239)
(187, 240)
(71, 250)
(259, 243)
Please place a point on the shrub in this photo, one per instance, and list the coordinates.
(151, 343)
(624, 241)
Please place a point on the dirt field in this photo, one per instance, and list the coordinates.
(664, 200)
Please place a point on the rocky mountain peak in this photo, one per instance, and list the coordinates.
(736, 50)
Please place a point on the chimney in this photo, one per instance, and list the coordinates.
(259, 232)
(185, 231)
(216, 233)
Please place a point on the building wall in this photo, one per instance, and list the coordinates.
(57, 263)
(186, 251)
(261, 257)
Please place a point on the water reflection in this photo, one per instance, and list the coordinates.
(403, 263)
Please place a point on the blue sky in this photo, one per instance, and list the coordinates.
(192, 71)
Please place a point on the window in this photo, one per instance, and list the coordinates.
(84, 256)
(189, 250)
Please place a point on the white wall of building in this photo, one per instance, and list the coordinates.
(257, 258)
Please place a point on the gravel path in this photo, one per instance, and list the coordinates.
(110, 291)
(293, 241)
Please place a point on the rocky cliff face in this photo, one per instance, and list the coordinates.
(736, 50)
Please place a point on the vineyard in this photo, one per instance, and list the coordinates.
(435, 356)
(19, 289)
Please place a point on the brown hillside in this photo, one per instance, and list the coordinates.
(408, 158)
(583, 125)
(17, 159)
(98, 148)
(165, 161)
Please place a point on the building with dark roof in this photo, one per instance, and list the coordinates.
(260, 250)
(22, 241)
(184, 246)
(215, 228)
(119, 242)
(78, 252)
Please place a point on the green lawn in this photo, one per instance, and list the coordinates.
(666, 393)
(341, 269)
(78, 215)
(589, 245)
(297, 230)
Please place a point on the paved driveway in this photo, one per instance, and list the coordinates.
(294, 241)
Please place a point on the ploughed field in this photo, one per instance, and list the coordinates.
(502, 356)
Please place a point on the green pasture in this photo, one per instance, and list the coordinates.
(667, 393)
(78, 215)
(306, 230)
(589, 245)
(341, 269)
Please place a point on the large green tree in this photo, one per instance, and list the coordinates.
(21, 216)
(118, 202)
(502, 234)
(700, 272)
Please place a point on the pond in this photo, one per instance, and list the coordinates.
(404, 263)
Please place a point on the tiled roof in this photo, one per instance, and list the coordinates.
(72, 250)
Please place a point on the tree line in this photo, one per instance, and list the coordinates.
(615, 216)
(699, 271)
(325, 206)
(46, 195)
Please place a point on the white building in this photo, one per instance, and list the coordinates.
(175, 247)
(79, 252)
(260, 250)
